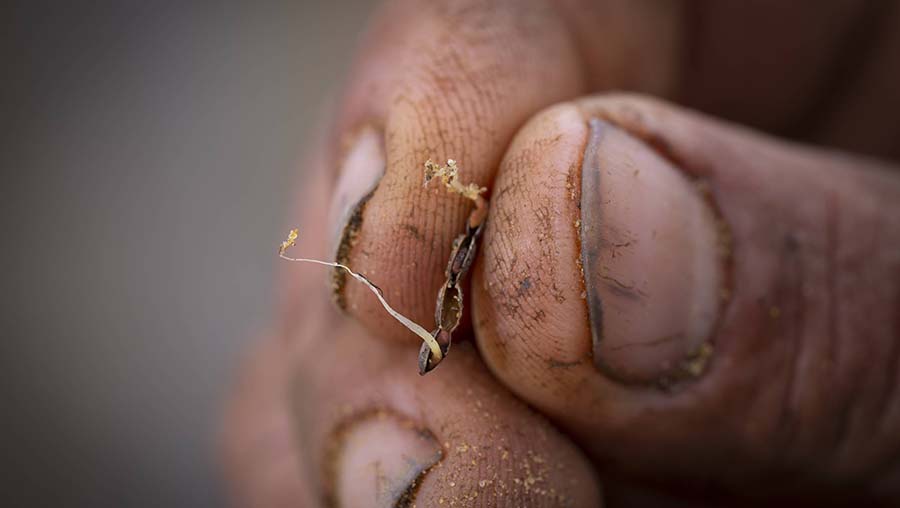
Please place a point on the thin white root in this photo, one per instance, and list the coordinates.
(405, 321)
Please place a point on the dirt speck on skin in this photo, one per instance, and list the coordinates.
(572, 183)
(412, 230)
(484, 452)
(524, 285)
(553, 363)
(695, 364)
(691, 367)
(497, 474)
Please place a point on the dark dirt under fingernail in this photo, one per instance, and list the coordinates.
(649, 248)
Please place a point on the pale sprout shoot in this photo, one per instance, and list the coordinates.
(449, 176)
(414, 327)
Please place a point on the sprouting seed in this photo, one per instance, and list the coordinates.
(431, 352)
(414, 327)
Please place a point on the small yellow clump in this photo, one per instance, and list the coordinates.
(450, 178)
(289, 242)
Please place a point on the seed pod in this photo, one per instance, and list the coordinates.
(427, 360)
(448, 311)
(465, 247)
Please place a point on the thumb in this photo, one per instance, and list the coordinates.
(776, 288)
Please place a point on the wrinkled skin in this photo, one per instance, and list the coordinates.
(668, 308)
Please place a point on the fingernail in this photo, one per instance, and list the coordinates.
(649, 248)
(381, 462)
(361, 169)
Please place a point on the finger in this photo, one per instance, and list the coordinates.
(456, 85)
(438, 81)
(455, 81)
(736, 315)
(821, 73)
(862, 118)
(818, 44)
(259, 452)
(373, 433)
(262, 462)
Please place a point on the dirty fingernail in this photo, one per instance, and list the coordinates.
(381, 461)
(361, 169)
(651, 261)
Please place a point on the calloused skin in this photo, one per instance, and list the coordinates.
(796, 149)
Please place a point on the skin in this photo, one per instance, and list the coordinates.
(791, 169)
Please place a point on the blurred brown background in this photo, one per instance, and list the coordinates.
(149, 149)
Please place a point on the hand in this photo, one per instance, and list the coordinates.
(667, 309)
